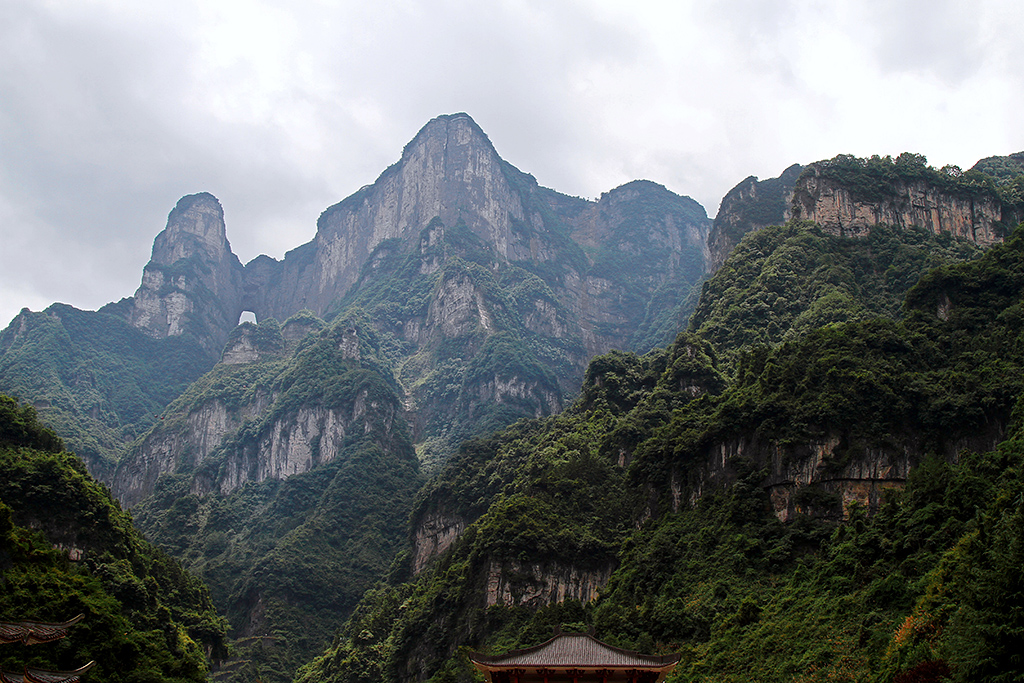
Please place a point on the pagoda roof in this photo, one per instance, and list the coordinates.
(576, 650)
(35, 632)
(33, 675)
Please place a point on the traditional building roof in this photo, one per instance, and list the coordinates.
(35, 632)
(573, 656)
(32, 675)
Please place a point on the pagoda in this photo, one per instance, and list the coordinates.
(35, 633)
(574, 658)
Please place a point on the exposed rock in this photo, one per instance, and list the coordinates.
(450, 171)
(512, 389)
(434, 534)
(193, 282)
(531, 584)
(836, 209)
(752, 205)
(821, 478)
(180, 447)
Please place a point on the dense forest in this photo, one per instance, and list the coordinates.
(926, 585)
(67, 548)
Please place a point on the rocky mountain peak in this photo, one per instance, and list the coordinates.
(193, 281)
(194, 227)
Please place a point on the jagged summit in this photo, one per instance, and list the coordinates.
(444, 125)
(193, 280)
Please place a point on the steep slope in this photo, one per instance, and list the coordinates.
(664, 489)
(94, 377)
(193, 282)
(283, 478)
(750, 206)
(847, 195)
(67, 548)
(786, 281)
(479, 281)
(450, 172)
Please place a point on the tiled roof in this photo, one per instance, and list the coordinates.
(32, 675)
(34, 632)
(575, 650)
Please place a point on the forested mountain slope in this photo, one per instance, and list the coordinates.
(295, 482)
(98, 381)
(67, 548)
(669, 479)
(455, 295)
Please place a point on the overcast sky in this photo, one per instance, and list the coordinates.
(110, 110)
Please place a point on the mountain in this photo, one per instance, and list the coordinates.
(450, 298)
(96, 379)
(813, 508)
(462, 263)
(752, 205)
(467, 415)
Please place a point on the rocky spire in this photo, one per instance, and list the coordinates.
(192, 283)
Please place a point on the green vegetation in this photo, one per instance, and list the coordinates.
(146, 619)
(448, 362)
(878, 178)
(99, 381)
(785, 281)
(286, 560)
(924, 584)
(754, 204)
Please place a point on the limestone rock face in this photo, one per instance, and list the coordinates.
(292, 443)
(641, 237)
(821, 478)
(433, 536)
(752, 205)
(180, 447)
(193, 282)
(917, 203)
(295, 443)
(450, 171)
(530, 584)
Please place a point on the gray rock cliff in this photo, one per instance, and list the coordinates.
(193, 282)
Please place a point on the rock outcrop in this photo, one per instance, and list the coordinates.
(837, 208)
(752, 205)
(638, 236)
(207, 444)
(433, 535)
(532, 584)
(193, 282)
(821, 478)
(448, 171)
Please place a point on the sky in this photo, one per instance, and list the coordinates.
(111, 110)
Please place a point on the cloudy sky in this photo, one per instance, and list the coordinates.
(110, 110)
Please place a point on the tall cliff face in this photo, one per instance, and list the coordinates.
(451, 173)
(283, 477)
(821, 478)
(450, 247)
(448, 171)
(262, 414)
(840, 209)
(752, 205)
(193, 282)
(647, 247)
